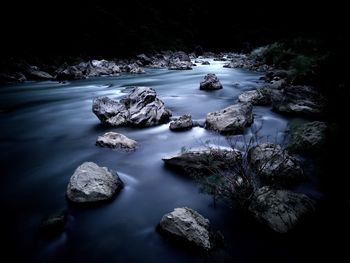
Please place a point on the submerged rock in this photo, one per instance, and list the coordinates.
(274, 165)
(298, 100)
(53, 225)
(281, 210)
(309, 137)
(116, 140)
(204, 162)
(210, 82)
(182, 123)
(140, 107)
(92, 183)
(185, 224)
(232, 119)
(256, 97)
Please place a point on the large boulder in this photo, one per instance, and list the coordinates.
(140, 107)
(92, 183)
(116, 140)
(298, 100)
(184, 122)
(110, 111)
(274, 165)
(210, 82)
(281, 210)
(204, 162)
(185, 224)
(232, 119)
(256, 97)
(309, 137)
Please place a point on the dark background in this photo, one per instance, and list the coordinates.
(129, 27)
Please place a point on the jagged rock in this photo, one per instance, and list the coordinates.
(182, 123)
(281, 210)
(309, 137)
(141, 108)
(145, 60)
(232, 119)
(256, 97)
(116, 140)
(69, 73)
(210, 82)
(179, 55)
(12, 77)
(298, 100)
(204, 162)
(188, 225)
(275, 166)
(34, 73)
(92, 183)
(176, 64)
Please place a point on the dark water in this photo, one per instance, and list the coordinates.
(48, 129)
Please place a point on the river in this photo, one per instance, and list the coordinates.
(48, 130)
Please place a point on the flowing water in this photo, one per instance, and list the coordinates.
(48, 130)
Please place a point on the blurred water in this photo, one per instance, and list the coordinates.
(48, 129)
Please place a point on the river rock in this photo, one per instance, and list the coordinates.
(140, 107)
(205, 62)
(116, 140)
(232, 119)
(186, 224)
(309, 137)
(12, 77)
(210, 82)
(53, 225)
(69, 73)
(275, 166)
(281, 210)
(176, 64)
(298, 100)
(180, 55)
(92, 183)
(145, 60)
(204, 162)
(256, 97)
(34, 73)
(182, 123)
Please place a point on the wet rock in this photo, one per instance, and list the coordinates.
(309, 137)
(188, 225)
(232, 119)
(275, 166)
(182, 123)
(140, 107)
(298, 100)
(256, 97)
(205, 62)
(116, 140)
(281, 210)
(92, 183)
(210, 82)
(203, 162)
